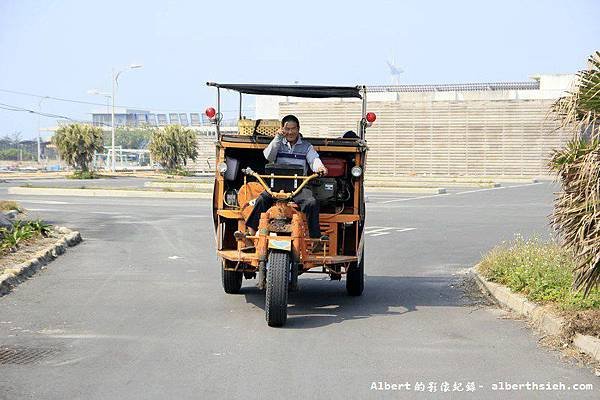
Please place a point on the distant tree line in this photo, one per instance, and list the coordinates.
(13, 148)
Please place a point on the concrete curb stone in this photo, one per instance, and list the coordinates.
(13, 277)
(540, 317)
(203, 193)
(12, 214)
(106, 193)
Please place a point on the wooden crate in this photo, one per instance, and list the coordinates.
(267, 127)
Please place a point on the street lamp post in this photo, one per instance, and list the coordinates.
(115, 77)
(112, 122)
(108, 96)
(39, 146)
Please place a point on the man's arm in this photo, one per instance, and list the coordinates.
(271, 151)
(312, 158)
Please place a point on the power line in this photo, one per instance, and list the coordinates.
(21, 109)
(96, 104)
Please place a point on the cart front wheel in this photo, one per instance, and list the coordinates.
(277, 288)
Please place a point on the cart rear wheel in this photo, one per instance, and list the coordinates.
(232, 280)
(355, 278)
(277, 288)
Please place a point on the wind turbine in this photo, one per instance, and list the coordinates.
(395, 72)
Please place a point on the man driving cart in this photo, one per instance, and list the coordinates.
(268, 223)
(287, 147)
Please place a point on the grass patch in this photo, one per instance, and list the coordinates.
(21, 232)
(9, 205)
(85, 175)
(541, 271)
(178, 172)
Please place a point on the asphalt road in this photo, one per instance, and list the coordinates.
(137, 310)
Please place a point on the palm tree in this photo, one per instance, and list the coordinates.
(172, 146)
(76, 144)
(576, 216)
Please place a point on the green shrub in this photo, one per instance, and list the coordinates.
(77, 143)
(22, 231)
(178, 172)
(84, 175)
(16, 155)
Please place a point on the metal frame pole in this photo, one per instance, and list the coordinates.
(363, 121)
(218, 113)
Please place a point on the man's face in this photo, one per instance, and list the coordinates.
(291, 131)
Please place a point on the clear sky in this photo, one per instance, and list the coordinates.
(65, 48)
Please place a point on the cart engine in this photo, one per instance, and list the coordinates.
(334, 188)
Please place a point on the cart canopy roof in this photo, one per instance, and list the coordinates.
(292, 90)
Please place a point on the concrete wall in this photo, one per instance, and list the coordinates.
(497, 129)
(500, 138)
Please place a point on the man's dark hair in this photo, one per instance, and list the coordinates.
(290, 118)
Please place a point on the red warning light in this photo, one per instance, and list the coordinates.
(210, 112)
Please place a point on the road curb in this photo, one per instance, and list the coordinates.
(538, 315)
(106, 193)
(10, 279)
(36, 191)
(199, 186)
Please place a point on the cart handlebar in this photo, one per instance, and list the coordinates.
(281, 195)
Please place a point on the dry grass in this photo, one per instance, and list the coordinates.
(9, 205)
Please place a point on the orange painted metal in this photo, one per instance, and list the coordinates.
(298, 232)
(231, 214)
(301, 243)
(263, 231)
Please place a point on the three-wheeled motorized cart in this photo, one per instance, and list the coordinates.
(282, 249)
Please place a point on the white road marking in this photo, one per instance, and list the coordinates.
(43, 202)
(405, 229)
(414, 198)
(458, 193)
(379, 234)
(44, 210)
(105, 212)
(374, 231)
(525, 184)
(500, 187)
(189, 216)
(481, 190)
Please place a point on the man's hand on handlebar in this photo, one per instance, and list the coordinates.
(322, 170)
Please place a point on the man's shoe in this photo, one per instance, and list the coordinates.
(320, 246)
(241, 236)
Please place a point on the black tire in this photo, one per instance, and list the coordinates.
(277, 288)
(232, 280)
(355, 278)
